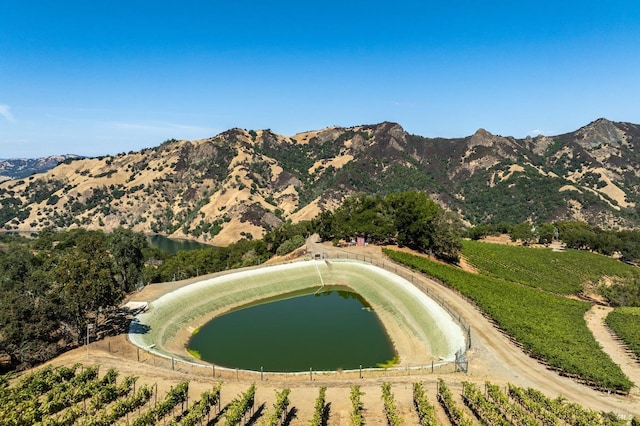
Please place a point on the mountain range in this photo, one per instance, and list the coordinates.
(17, 168)
(242, 182)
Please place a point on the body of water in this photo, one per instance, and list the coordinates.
(325, 331)
(173, 245)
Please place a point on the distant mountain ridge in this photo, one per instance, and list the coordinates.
(17, 168)
(242, 182)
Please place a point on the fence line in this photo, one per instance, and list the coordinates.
(416, 280)
(124, 349)
(128, 350)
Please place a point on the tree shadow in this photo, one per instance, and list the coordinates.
(135, 327)
(121, 321)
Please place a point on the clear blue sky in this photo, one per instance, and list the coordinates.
(102, 77)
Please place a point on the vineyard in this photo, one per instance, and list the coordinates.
(80, 395)
(625, 322)
(139, 392)
(557, 272)
(549, 327)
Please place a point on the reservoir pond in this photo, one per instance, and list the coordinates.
(330, 330)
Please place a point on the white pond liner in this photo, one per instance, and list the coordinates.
(427, 321)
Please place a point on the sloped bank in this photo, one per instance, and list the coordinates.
(418, 327)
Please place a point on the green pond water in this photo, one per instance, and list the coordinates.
(173, 245)
(326, 331)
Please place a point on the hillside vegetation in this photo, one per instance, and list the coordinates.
(625, 322)
(550, 327)
(566, 272)
(56, 285)
(243, 183)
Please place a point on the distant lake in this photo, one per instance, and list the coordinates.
(173, 245)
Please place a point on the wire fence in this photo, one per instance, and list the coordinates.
(416, 279)
(123, 348)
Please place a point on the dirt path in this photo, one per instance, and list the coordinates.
(492, 357)
(611, 345)
(496, 358)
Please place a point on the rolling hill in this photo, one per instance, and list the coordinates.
(242, 182)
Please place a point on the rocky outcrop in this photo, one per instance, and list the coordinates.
(243, 182)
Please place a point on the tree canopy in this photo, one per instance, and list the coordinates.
(409, 218)
(51, 287)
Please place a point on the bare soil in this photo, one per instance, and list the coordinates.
(492, 357)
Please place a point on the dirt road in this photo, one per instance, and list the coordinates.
(492, 357)
(495, 357)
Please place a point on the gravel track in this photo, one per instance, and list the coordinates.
(492, 357)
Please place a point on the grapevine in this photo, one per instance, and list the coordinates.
(515, 413)
(426, 411)
(482, 407)
(534, 407)
(625, 323)
(21, 404)
(572, 413)
(175, 395)
(277, 416)
(240, 406)
(390, 410)
(549, 327)
(83, 399)
(201, 409)
(121, 408)
(357, 407)
(319, 412)
(454, 412)
(63, 395)
(111, 392)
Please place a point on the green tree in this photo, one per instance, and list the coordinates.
(290, 245)
(413, 214)
(577, 235)
(30, 330)
(622, 294)
(522, 232)
(630, 245)
(478, 232)
(546, 233)
(275, 238)
(411, 218)
(606, 242)
(16, 265)
(83, 273)
(126, 248)
(446, 238)
(359, 215)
